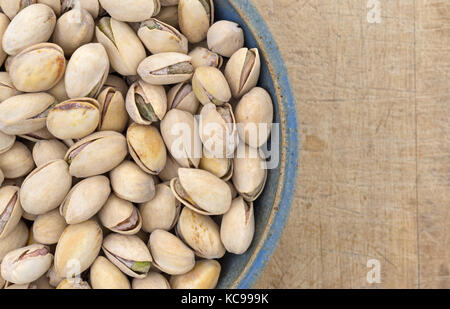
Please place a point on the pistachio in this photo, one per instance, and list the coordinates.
(120, 216)
(202, 57)
(160, 37)
(117, 84)
(92, 6)
(39, 135)
(73, 284)
(10, 210)
(6, 142)
(131, 10)
(204, 275)
(59, 91)
(195, 18)
(16, 239)
(210, 86)
(53, 277)
(242, 71)
(17, 161)
(105, 275)
(169, 15)
(182, 97)
(48, 150)
(114, 116)
(4, 22)
(170, 170)
(220, 167)
(153, 280)
(146, 103)
(7, 89)
(48, 227)
(225, 38)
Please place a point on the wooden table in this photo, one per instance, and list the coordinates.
(374, 106)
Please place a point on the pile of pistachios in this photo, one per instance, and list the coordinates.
(130, 143)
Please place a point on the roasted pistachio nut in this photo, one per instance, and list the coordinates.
(195, 17)
(161, 212)
(120, 216)
(6, 142)
(169, 15)
(146, 103)
(254, 113)
(123, 46)
(48, 150)
(170, 170)
(147, 148)
(32, 25)
(113, 115)
(74, 118)
(201, 233)
(117, 84)
(225, 38)
(25, 113)
(105, 275)
(166, 68)
(4, 22)
(73, 29)
(87, 71)
(160, 37)
(46, 187)
(48, 227)
(38, 67)
(242, 71)
(153, 280)
(73, 284)
(17, 161)
(201, 191)
(16, 239)
(10, 210)
(182, 96)
(204, 275)
(26, 264)
(131, 10)
(39, 135)
(85, 199)
(96, 154)
(202, 57)
(238, 226)
(77, 248)
(210, 86)
(250, 172)
(170, 254)
(129, 253)
(179, 130)
(7, 89)
(220, 167)
(12, 7)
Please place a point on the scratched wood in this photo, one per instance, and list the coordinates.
(374, 111)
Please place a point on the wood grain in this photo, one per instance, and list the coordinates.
(374, 111)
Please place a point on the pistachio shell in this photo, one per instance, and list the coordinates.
(147, 148)
(242, 71)
(225, 38)
(116, 83)
(25, 113)
(161, 212)
(220, 167)
(48, 150)
(39, 135)
(170, 170)
(131, 10)
(16, 239)
(169, 15)
(77, 248)
(195, 18)
(74, 119)
(105, 275)
(160, 37)
(10, 210)
(114, 116)
(153, 280)
(96, 154)
(59, 91)
(7, 89)
(123, 46)
(120, 216)
(46, 187)
(87, 71)
(38, 67)
(17, 161)
(204, 57)
(170, 254)
(131, 183)
(73, 284)
(201, 233)
(85, 199)
(204, 275)
(48, 227)
(182, 97)
(201, 191)
(32, 25)
(129, 253)
(6, 142)
(210, 86)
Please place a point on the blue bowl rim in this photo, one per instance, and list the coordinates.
(290, 144)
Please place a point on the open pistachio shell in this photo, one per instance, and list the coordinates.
(7, 89)
(202, 57)
(10, 210)
(182, 96)
(96, 154)
(38, 67)
(195, 17)
(120, 216)
(153, 280)
(47, 150)
(210, 86)
(131, 10)
(170, 254)
(105, 275)
(77, 248)
(201, 191)
(87, 71)
(129, 253)
(6, 142)
(32, 25)
(114, 116)
(221, 167)
(26, 264)
(117, 84)
(169, 15)
(16, 239)
(170, 170)
(166, 68)
(48, 227)
(146, 103)
(160, 37)
(225, 38)
(46, 187)
(17, 161)
(242, 71)
(123, 46)
(204, 275)
(74, 118)
(147, 148)
(85, 199)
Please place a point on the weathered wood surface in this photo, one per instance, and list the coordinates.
(374, 110)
